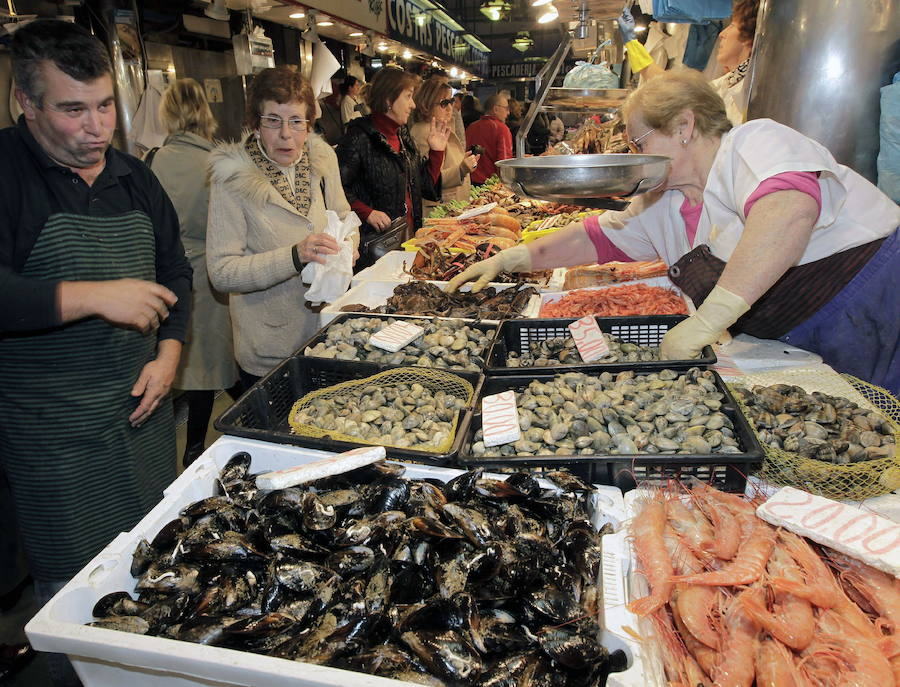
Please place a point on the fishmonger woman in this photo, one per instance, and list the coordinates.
(759, 225)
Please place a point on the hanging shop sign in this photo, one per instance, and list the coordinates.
(411, 24)
(370, 14)
(515, 70)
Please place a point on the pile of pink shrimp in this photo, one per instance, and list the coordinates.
(736, 602)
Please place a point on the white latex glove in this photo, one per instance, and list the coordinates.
(515, 259)
(686, 340)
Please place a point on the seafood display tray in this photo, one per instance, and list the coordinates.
(375, 293)
(320, 335)
(262, 412)
(725, 471)
(664, 282)
(109, 658)
(516, 335)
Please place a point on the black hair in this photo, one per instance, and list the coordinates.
(71, 48)
(349, 82)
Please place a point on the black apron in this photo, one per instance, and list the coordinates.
(79, 472)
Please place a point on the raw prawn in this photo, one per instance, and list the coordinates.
(727, 537)
(841, 653)
(682, 670)
(737, 663)
(880, 590)
(775, 666)
(650, 548)
(747, 565)
(819, 586)
(706, 658)
(692, 525)
(618, 301)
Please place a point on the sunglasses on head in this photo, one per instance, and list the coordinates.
(445, 102)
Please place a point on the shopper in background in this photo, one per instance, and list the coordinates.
(385, 177)
(95, 304)
(470, 109)
(434, 102)
(267, 206)
(758, 224)
(350, 100)
(207, 360)
(514, 117)
(557, 130)
(493, 135)
(459, 126)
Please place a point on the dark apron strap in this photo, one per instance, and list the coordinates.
(800, 292)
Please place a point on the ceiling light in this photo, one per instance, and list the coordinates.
(324, 22)
(407, 54)
(382, 47)
(356, 34)
(463, 76)
(538, 3)
(523, 41)
(420, 19)
(550, 14)
(495, 10)
(454, 72)
(296, 15)
(639, 28)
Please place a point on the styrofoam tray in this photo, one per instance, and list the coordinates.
(392, 266)
(374, 293)
(108, 658)
(664, 282)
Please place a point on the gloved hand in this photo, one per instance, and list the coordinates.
(515, 259)
(626, 26)
(720, 310)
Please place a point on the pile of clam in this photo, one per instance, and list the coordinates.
(581, 414)
(451, 344)
(562, 351)
(402, 415)
(828, 428)
(473, 581)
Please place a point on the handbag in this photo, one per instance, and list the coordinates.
(374, 244)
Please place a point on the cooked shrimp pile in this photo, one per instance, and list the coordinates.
(736, 602)
(617, 301)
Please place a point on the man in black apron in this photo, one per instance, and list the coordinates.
(94, 300)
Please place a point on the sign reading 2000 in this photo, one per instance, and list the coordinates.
(431, 35)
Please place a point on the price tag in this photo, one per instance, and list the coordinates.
(858, 533)
(500, 419)
(309, 472)
(589, 339)
(395, 336)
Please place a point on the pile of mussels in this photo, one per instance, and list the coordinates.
(449, 344)
(562, 351)
(583, 414)
(470, 582)
(828, 428)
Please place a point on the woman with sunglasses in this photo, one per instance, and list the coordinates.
(435, 102)
(766, 232)
(268, 196)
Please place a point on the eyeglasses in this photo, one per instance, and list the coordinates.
(275, 122)
(635, 143)
(446, 102)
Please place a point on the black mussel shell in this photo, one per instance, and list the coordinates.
(525, 482)
(117, 603)
(263, 626)
(447, 654)
(575, 652)
(462, 487)
(353, 559)
(567, 481)
(143, 556)
(236, 469)
(169, 534)
(511, 671)
(316, 514)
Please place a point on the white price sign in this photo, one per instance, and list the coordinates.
(589, 339)
(396, 336)
(500, 419)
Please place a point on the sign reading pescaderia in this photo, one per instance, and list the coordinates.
(515, 70)
(410, 24)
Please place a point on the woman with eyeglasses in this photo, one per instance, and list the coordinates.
(766, 232)
(434, 101)
(268, 197)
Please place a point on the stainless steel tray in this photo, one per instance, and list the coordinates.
(583, 179)
(584, 99)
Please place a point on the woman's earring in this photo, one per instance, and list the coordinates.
(256, 135)
(684, 141)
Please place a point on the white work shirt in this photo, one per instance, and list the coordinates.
(854, 212)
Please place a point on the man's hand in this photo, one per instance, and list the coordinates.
(155, 381)
(128, 303)
(379, 220)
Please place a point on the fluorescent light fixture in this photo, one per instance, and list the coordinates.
(324, 22)
(407, 54)
(539, 3)
(495, 10)
(550, 14)
(297, 15)
(420, 19)
(356, 34)
(382, 47)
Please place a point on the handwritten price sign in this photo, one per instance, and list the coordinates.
(860, 534)
(589, 339)
(396, 336)
(500, 419)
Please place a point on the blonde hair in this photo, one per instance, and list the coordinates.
(659, 102)
(184, 108)
(427, 96)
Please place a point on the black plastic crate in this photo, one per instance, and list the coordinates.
(320, 335)
(262, 412)
(726, 471)
(515, 336)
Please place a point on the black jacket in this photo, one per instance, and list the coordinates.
(374, 174)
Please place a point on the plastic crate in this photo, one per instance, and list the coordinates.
(109, 658)
(517, 335)
(321, 334)
(725, 471)
(262, 412)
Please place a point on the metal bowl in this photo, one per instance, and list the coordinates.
(579, 179)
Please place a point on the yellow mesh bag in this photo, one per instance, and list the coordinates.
(854, 481)
(431, 379)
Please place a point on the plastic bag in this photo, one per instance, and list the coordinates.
(889, 151)
(690, 11)
(586, 75)
(329, 281)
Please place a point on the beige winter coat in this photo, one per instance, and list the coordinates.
(249, 242)
(455, 183)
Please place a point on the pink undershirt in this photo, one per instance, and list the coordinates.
(807, 182)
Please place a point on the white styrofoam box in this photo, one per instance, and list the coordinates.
(392, 266)
(664, 282)
(374, 293)
(109, 658)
